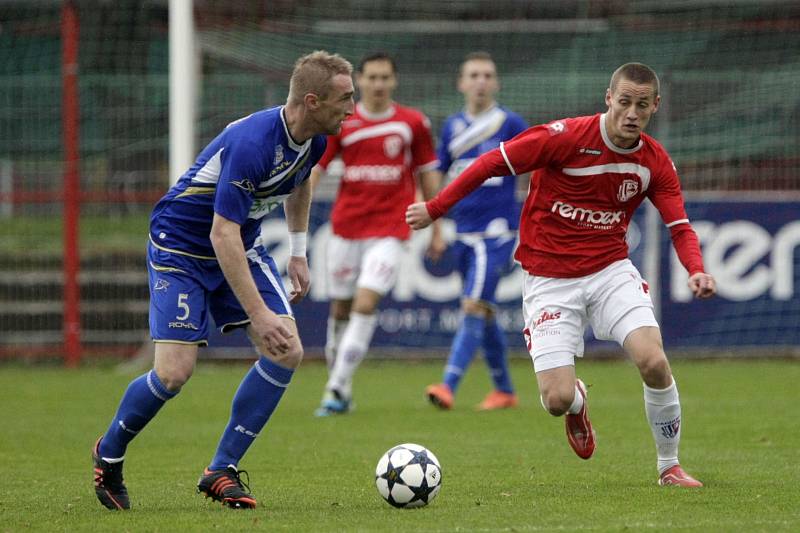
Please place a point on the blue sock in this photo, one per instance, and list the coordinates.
(494, 348)
(257, 397)
(140, 403)
(468, 337)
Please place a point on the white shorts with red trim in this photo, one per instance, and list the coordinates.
(614, 301)
(367, 263)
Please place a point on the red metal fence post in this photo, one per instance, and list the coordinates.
(70, 116)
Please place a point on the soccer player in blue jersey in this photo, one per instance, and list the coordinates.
(486, 225)
(206, 259)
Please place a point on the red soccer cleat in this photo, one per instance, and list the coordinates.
(440, 395)
(676, 476)
(497, 400)
(579, 429)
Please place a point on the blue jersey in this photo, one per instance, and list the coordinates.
(243, 174)
(492, 208)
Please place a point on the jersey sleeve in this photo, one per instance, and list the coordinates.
(443, 152)
(334, 143)
(423, 156)
(534, 148)
(242, 169)
(665, 193)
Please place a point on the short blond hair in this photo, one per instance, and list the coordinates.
(313, 74)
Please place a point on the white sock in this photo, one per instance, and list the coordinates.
(577, 402)
(355, 342)
(333, 338)
(663, 410)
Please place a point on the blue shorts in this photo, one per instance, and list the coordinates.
(184, 289)
(482, 262)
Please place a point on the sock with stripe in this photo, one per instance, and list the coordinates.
(255, 400)
(467, 339)
(494, 349)
(140, 403)
(663, 410)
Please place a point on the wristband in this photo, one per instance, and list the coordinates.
(297, 243)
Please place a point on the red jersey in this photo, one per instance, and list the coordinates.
(380, 153)
(583, 192)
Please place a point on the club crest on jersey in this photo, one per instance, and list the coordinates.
(627, 190)
(278, 155)
(559, 126)
(392, 146)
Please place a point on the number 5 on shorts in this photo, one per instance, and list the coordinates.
(184, 306)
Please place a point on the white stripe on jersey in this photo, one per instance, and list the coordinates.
(679, 221)
(210, 171)
(299, 159)
(400, 128)
(612, 168)
(505, 157)
(483, 128)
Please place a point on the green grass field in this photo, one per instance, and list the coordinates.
(502, 471)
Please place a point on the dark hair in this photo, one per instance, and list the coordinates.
(376, 56)
(480, 55)
(638, 73)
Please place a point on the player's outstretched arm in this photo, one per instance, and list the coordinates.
(417, 216)
(702, 285)
(297, 207)
(226, 239)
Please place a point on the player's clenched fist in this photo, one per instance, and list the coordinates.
(417, 216)
(702, 285)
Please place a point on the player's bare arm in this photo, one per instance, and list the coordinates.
(314, 177)
(229, 249)
(702, 285)
(297, 207)
(430, 181)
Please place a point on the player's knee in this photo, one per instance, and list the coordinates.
(655, 370)
(175, 377)
(557, 402)
(292, 358)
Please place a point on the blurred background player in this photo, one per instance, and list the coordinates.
(591, 173)
(385, 148)
(205, 255)
(486, 226)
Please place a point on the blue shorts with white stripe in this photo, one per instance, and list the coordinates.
(482, 262)
(187, 292)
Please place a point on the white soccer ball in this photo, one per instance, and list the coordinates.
(408, 475)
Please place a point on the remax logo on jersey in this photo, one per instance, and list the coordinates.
(559, 126)
(604, 218)
(627, 190)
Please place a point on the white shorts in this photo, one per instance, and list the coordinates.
(614, 301)
(366, 263)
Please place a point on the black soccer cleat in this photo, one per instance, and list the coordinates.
(227, 487)
(108, 483)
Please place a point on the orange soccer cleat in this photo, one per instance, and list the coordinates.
(440, 395)
(498, 400)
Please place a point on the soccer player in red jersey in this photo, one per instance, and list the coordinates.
(385, 148)
(589, 175)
